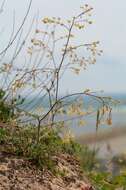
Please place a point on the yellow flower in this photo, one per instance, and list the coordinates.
(109, 121)
(81, 123)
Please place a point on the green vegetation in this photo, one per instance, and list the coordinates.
(40, 145)
(6, 112)
(22, 142)
(7, 108)
(105, 181)
(109, 180)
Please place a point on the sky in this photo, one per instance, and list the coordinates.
(109, 27)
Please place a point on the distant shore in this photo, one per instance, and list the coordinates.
(111, 141)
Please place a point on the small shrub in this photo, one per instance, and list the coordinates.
(71, 147)
(5, 109)
(88, 158)
(23, 142)
(2, 135)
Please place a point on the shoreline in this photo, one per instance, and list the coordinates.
(111, 142)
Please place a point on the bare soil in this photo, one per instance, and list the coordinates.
(20, 174)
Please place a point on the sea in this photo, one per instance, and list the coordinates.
(118, 115)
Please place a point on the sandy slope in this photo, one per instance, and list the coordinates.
(19, 174)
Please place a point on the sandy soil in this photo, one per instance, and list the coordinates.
(19, 174)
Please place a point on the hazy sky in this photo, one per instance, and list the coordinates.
(109, 74)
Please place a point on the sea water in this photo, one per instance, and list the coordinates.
(118, 115)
